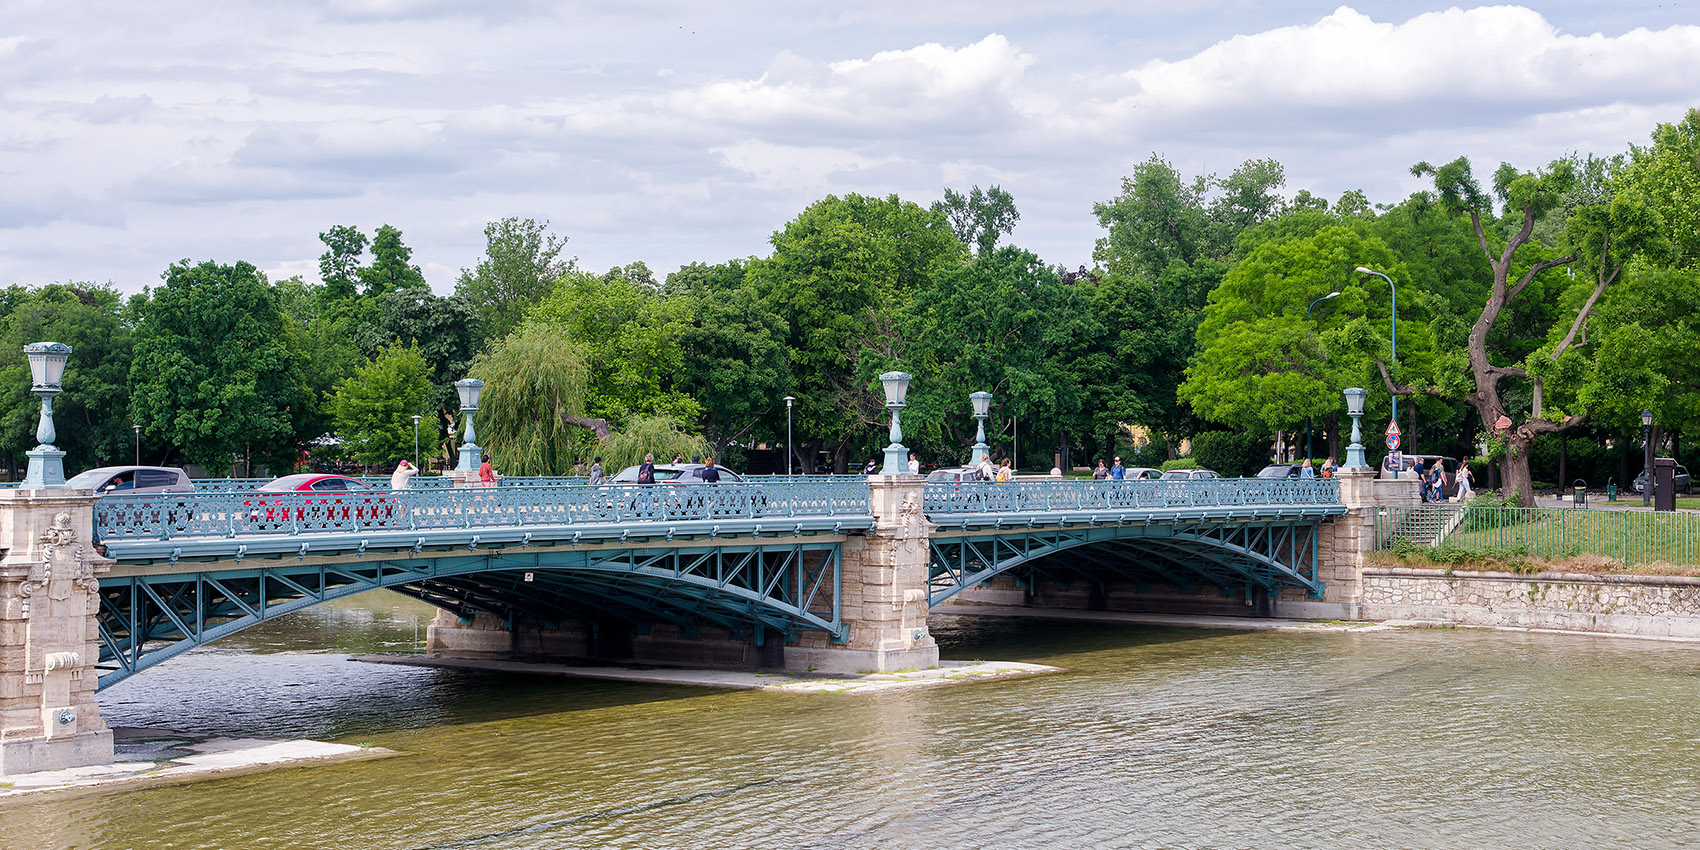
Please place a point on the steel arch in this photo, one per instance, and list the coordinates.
(1271, 555)
(147, 619)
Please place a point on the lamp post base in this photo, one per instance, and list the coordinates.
(1355, 457)
(46, 468)
(896, 460)
(471, 457)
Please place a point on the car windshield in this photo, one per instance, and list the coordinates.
(1175, 474)
(94, 478)
(286, 483)
(1277, 471)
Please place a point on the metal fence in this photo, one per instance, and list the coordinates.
(237, 514)
(1632, 537)
(1052, 495)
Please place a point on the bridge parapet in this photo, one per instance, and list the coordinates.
(990, 503)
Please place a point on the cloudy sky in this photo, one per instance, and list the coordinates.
(136, 134)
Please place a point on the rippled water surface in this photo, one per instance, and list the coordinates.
(1156, 737)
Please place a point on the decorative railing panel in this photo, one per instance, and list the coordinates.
(236, 514)
(1035, 496)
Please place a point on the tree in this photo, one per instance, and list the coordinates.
(215, 372)
(629, 334)
(979, 218)
(1667, 176)
(92, 417)
(446, 332)
(530, 418)
(1603, 237)
(838, 274)
(520, 266)
(734, 359)
(339, 266)
(373, 409)
(390, 270)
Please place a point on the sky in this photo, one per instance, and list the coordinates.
(135, 135)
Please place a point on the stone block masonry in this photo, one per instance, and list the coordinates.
(1644, 606)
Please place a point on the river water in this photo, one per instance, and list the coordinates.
(1155, 737)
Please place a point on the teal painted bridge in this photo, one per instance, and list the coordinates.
(761, 560)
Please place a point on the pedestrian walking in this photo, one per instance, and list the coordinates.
(914, 464)
(1102, 472)
(1118, 472)
(1437, 492)
(986, 470)
(873, 467)
(1422, 479)
(596, 471)
(487, 474)
(646, 470)
(403, 471)
(709, 474)
(1328, 468)
(1305, 471)
(1006, 474)
(1466, 480)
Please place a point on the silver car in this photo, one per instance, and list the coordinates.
(132, 480)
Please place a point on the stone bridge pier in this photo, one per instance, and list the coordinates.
(49, 638)
(883, 604)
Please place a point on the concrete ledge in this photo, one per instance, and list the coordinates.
(150, 756)
(944, 673)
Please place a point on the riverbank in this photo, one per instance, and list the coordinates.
(947, 673)
(155, 756)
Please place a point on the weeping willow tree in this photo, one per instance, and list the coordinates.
(531, 415)
(662, 436)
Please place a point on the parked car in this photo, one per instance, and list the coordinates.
(1142, 473)
(1682, 483)
(319, 499)
(132, 480)
(1279, 470)
(1190, 474)
(677, 473)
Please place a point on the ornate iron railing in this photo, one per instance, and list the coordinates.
(1033, 496)
(237, 514)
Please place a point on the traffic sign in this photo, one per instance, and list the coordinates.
(1392, 441)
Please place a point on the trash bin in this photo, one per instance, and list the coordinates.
(1611, 489)
(1664, 487)
(1579, 493)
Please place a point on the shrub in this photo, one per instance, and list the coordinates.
(1179, 463)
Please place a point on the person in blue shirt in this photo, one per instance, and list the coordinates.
(1118, 471)
(709, 474)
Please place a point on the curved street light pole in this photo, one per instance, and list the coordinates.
(1310, 424)
(1393, 368)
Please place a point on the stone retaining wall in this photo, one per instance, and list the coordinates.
(1653, 606)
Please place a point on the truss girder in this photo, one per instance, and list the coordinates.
(1271, 555)
(785, 586)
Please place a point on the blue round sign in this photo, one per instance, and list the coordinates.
(1392, 442)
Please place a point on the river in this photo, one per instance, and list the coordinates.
(1154, 737)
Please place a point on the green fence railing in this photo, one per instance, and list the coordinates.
(1632, 537)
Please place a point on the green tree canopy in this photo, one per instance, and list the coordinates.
(522, 261)
(373, 409)
(534, 385)
(92, 416)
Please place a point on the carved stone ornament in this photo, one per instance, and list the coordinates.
(62, 557)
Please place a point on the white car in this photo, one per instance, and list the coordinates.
(132, 480)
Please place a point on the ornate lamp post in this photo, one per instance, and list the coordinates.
(1355, 408)
(415, 418)
(896, 386)
(982, 403)
(789, 400)
(1647, 441)
(470, 454)
(47, 368)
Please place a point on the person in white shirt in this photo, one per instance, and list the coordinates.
(914, 464)
(403, 471)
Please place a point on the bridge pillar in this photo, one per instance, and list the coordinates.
(49, 638)
(1345, 541)
(884, 593)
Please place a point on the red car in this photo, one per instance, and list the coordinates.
(317, 500)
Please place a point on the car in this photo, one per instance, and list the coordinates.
(1141, 473)
(319, 500)
(1279, 470)
(1681, 481)
(677, 473)
(132, 480)
(1190, 474)
(954, 475)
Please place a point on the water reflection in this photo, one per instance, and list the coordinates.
(1154, 738)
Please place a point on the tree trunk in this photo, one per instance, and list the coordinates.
(1514, 470)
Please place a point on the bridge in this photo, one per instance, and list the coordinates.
(835, 574)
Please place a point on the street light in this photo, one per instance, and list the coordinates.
(470, 454)
(1355, 408)
(1310, 424)
(896, 385)
(415, 441)
(47, 369)
(1647, 440)
(982, 403)
(1393, 368)
(789, 400)
(138, 430)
